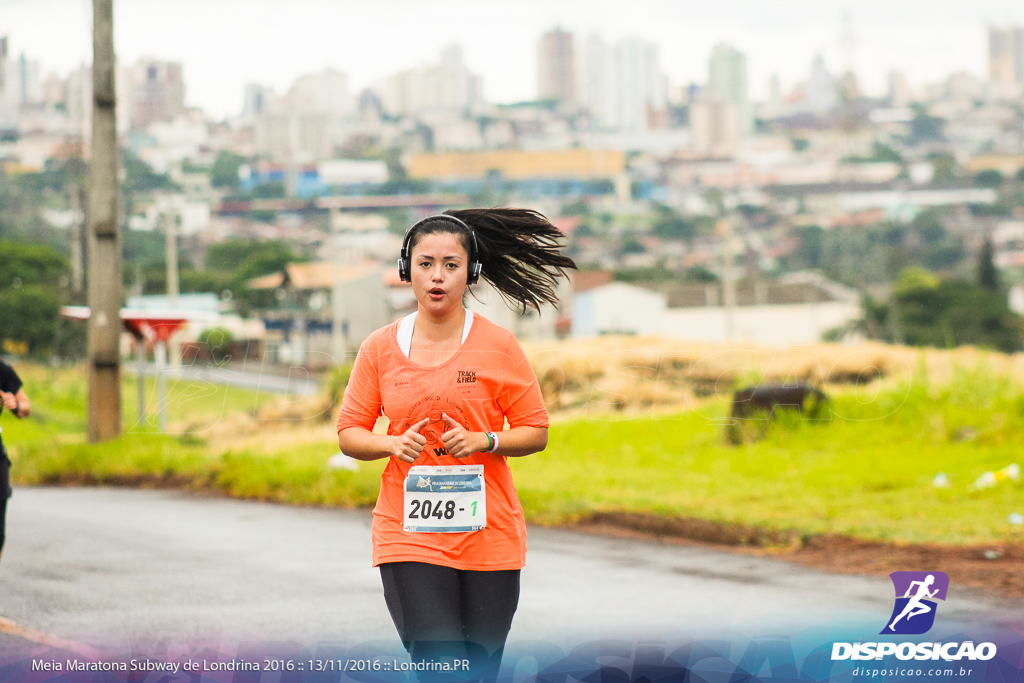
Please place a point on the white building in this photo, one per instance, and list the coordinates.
(257, 100)
(617, 308)
(446, 86)
(20, 85)
(157, 92)
(797, 309)
(556, 68)
(727, 82)
(295, 138)
(821, 95)
(714, 127)
(622, 86)
(1008, 245)
(486, 301)
(1016, 299)
(1006, 55)
(325, 93)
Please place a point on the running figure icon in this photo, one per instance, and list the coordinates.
(914, 606)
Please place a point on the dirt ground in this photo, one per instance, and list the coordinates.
(998, 569)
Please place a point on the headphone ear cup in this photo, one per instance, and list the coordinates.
(403, 270)
(474, 273)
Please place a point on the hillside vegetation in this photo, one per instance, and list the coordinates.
(637, 426)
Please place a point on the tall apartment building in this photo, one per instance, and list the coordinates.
(899, 92)
(325, 93)
(1006, 55)
(556, 68)
(727, 82)
(714, 127)
(8, 112)
(300, 126)
(446, 87)
(157, 92)
(20, 85)
(821, 94)
(257, 100)
(622, 86)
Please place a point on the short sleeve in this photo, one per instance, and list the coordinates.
(9, 380)
(521, 400)
(361, 405)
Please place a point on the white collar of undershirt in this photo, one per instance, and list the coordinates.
(408, 322)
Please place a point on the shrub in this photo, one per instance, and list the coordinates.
(219, 340)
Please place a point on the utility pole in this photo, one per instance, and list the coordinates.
(104, 237)
(170, 221)
(77, 271)
(75, 168)
(339, 339)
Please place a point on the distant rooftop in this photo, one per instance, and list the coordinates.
(307, 276)
(186, 302)
(796, 288)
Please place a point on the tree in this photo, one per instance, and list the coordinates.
(883, 152)
(218, 339)
(30, 295)
(29, 264)
(988, 276)
(576, 208)
(272, 190)
(671, 226)
(699, 274)
(924, 127)
(927, 311)
(929, 226)
(943, 167)
(30, 315)
(630, 245)
(140, 177)
(225, 170)
(989, 178)
(244, 260)
(812, 245)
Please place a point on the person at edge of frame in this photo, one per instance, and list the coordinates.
(447, 380)
(15, 400)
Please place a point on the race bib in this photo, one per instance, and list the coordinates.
(445, 499)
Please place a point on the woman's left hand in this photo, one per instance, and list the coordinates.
(459, 442)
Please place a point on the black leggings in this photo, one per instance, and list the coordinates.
(5, 492)
(440, 611)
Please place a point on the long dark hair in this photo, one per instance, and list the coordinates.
(519, 248)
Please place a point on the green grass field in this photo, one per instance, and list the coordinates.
(867, 472)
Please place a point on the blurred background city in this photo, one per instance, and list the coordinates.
(835, 199)
(809, 205)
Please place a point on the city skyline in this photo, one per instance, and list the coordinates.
(225, 44)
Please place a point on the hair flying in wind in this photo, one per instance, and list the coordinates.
(519, 248)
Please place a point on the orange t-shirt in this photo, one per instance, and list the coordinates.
(487, 381)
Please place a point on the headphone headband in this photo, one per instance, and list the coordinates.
(405, 257)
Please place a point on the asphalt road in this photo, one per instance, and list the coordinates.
(112, 566)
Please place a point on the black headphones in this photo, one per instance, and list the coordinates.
(404, 266)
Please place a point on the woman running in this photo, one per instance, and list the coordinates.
(448, 530)
(14, 399)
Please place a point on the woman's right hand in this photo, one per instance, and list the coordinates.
(409, 445)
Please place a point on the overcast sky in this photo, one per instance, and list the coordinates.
(224, 44)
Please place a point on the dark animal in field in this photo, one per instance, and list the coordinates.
(751, 402)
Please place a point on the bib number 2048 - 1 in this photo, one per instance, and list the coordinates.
(445, 499)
